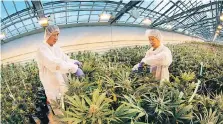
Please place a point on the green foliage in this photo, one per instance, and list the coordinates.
(110, 93)
(86, 110)
(210, 117)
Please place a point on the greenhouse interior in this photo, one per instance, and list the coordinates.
(111, 62)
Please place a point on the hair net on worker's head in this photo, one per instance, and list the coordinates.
(155, 33)
(49, 30)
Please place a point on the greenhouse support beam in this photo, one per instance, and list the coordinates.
(174, 28)
(203, 20)
(187, 15)
(174, 4)
(185, 12)
(144, 9)
(9, 18)
(188, 27)
(15, 14)
(125, 9)
(37, 6)
(131, 16)
(19, 17)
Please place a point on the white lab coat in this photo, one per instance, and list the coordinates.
(159, 61)
(53, 64)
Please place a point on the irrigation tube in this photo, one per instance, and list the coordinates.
(198, 83)
(195, 91)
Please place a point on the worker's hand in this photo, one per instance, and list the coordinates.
(79, 73)
(135, 68)
(78, 63)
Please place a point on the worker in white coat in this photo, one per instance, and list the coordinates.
(53, 65)
(159, 57)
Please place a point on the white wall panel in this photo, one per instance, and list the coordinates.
(94, 38)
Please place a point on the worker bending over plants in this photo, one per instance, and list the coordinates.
(53, 66)
(159, 57)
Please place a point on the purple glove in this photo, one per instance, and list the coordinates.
(141, 64)
(78, 63)
(79, 73)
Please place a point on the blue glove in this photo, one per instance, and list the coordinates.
(78, 63)
(140, 67)
(79, 73)
(141, 64)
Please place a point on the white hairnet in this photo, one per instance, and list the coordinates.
(49, 30)
(155, 33)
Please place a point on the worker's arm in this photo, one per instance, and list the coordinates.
(55, 64)
(67, 58)
(146, 55)
(158, 59)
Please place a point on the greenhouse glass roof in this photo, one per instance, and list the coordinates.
(195, 18)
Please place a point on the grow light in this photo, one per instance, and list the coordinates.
(2, 36)
(104, 16)
(43, 22)
(147, 21)
(220, 27)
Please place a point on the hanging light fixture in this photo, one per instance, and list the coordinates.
(104, 16)
(147, 21)
(169, 26)
(2, 36)
(221, 17)
(179, 29)
(44, 22)
(219, 27)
